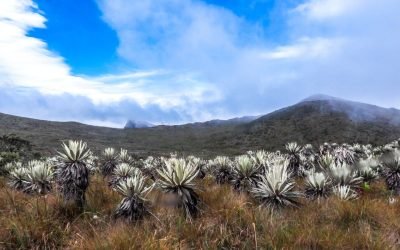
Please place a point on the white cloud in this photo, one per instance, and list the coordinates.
(325, 9)
(21, 13)
(306, 48)
(181, 33)
(26, 63)
(198, 61)
(337, 47)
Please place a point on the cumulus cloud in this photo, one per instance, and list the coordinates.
(326, 9)
(220, 47)
(196, 61)
(337, 47)
(364, 68)
(26, 65)
(67, 107)
(306, 48)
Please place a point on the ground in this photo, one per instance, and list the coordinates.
(229, 220)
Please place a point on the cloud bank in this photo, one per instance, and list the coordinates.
(38, 83)
(193, 61)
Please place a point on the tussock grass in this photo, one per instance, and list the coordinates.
(228, 220)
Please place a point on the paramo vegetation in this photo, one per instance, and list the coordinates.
(300, 197)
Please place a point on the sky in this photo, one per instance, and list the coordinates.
(103, 62)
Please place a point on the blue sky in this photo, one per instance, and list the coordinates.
(75, 30)
(173, 61)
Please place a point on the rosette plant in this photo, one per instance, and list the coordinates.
(368, 169)
(72, 172)
(39, 178)
(344, 175)
(109, 161)
(275, 189)
(294, 152)
(17, 178)
(221, 168)
(391, 171)
(199, 164)
(177, 178)
(124, 157)
(344, 192)
(245, 173)
(133, 205)
(317, 185)
(122, 172)
(344, 154)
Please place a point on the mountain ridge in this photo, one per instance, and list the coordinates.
(309, 121)
(132, 124)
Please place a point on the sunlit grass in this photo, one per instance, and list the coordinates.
(228, 220)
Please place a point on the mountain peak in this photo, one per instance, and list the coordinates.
(356, 111)
(138, 124)
(321, 97)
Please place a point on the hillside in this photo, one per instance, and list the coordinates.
(317, 121)
(46, 136)
(314, 120)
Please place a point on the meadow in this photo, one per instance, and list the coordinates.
(205, 205)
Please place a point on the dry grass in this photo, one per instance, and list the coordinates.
(228, 221)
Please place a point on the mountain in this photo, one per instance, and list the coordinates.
(323, 118)
(313, 120)
(218, 122)
(138, 124)
(358, 111)
(322, 97)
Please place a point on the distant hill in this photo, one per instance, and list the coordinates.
(359, 112)
(233, 121)
(314, 120)
(138, 124)
(216, 122)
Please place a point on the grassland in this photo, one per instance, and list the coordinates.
(229, 220)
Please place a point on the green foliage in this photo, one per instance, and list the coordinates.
(13, 143)
(5, 158)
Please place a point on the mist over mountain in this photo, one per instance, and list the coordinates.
(220, 122)
(323, 118)
(313, 120)
(358, 111)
